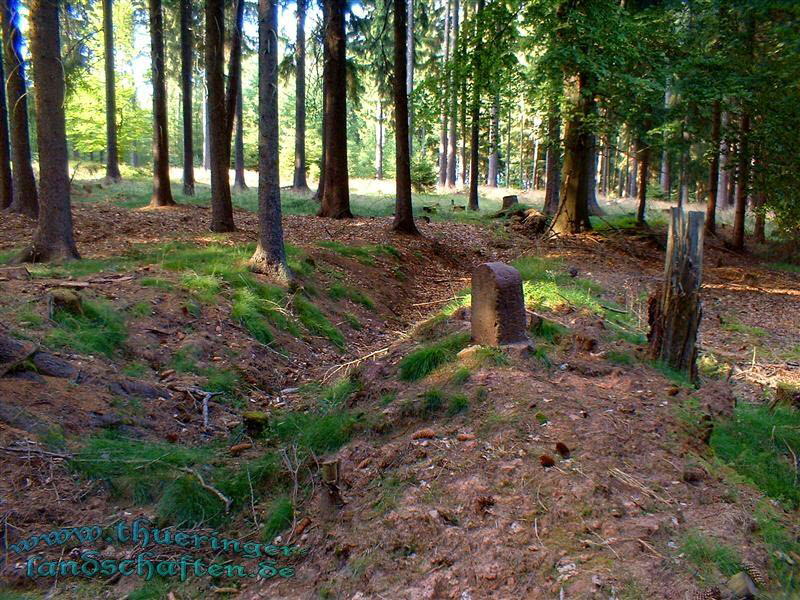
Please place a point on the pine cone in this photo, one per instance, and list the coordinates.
(756, 574)
(712, 593)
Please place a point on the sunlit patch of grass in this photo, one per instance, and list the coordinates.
(99, 330)
(491, 357)
(365, 254)
(458, 404)
(279, 517)
(299, 262)
(549, 331)
(204, 287)
(735, 326)
(779, 541)
(316, 322)
(424, 360)
(83, 267)
(709, 555)
(709, 366)
(315, 432)
(760, 444)
(337, 291)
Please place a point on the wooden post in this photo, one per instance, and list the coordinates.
(675, 309)
(331, 497)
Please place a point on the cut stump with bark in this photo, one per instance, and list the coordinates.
(674, 308)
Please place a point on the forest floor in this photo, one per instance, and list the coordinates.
(451, 480)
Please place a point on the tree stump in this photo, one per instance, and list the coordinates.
(674, 308)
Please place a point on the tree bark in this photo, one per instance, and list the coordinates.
(552, 163)
(299, 181)
(187, 44)
(759, 227)
(713, 169)
(239, 183)
(403, 211)
(162, 193)
(591, 175)
(452, 135)
(722, 181)
(644, 166)
(572, 215)
(445, 99)
(270, 255)
(112, 159)
(206, 132)
(743, 181)
(494, 142)
(675, 310)
(475, 115)
(53, 239)
(336, 192)
(379, 142)
(410, 70)
(6, 187)
(25, 198)
(221, 206)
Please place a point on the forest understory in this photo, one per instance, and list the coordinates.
(583, 470)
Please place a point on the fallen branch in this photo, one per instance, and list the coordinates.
(352, 363)
(209, 488)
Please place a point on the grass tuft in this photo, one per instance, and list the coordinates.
(99, 330)
(337, 291)
(317, 323)
(281, 513)
(709, 555)
(423, 361)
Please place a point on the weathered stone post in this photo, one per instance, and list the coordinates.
(674, 309)
(498, 306)
(509, 201)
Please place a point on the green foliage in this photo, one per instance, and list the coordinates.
(186, 504)
(337, 291)
(433, 400)
(353, 321)
(135, 369)
(760, 444)
(364, 254)
(679, 378)
(336, 395)
(460, 376)
(204, 287)
(99, 330)
(493, 357)
(549, 331)
(279, 518)
(316, 322)
(618, 357)
(318, 433)
(250, 310)
(459, 403)
(423, 361)
(780, 543)
(156, 589)
(423, 173)
(709, 555)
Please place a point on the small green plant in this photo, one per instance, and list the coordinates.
(135, 369)
(618, 357)
(281, 513)
(709, 555)
(186, 503)
(388, 397)
(335, 396)
(709, 366)
(317, 323)
(364, 254)
(337, 291)
(155, 589)
(423, 361)
(735, 326)
(156, 282)
(423, 174)
(433, 400)
(391, 488)
(204, 287)
(28, 317)
(679, 378)
(226, 381)
(353, 321)
(460, 376)
(780, 542)
(549, 331)
(100, 329)
(494, 357)
(54, 439)
(319, 433)
(458, 404)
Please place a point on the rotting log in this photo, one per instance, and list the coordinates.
(674, 308)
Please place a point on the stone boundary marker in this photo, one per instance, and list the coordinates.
(498, 305)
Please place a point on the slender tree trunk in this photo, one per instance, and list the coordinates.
(25, 199)
(221, 206)
(6, 188)
(535, 161)
(234, 77)
(53, 239)
(239, 183)
(410, 70)
(162, 193)
(591, 166)
(379, 142)
(187, 44)
(475, 115)
(299, 182)
(759, 228)
(464, 162)
(644, 166)
(722, 180)
(324, 130)
(445, 101)
(494, 142)
(683, 193)
(403, 211)
(552, 163)
(112, 163)
(452, 135)
(743, 181)
(336, 195)
(572, 215)
(666, 176)
(713, 170)
(270, 255)
(206, 132)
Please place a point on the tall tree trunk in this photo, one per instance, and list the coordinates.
(336, 195)
(572, 215)
(324, 129)
(713, 170)
(759, 227)
(187, 44)
(452, 134)
(475, 110)
(299, 182)
(410, 70)
(666, 176)
(206, 132)
(683, 179)
(591, 166)
(743, 181)
(494, 142)
(643, 151)
(270, 255)
(445, 100)
(464, 162)
(6, 188)
(162, 193)
(722, 180)
(379, 141)
(535, 161)
(221, 206)
(112, 162)
(25, 199)
(403, 211)
(53, 239)
(239, 184)
(552, 163)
